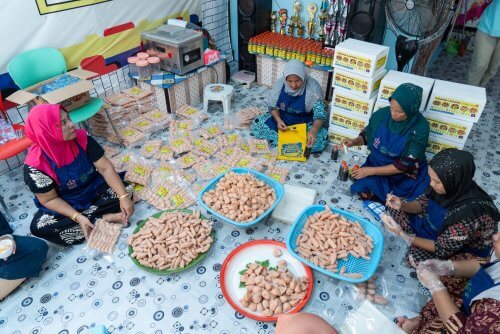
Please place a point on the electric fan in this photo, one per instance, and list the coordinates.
(416, 23)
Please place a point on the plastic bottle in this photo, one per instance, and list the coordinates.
(8, 132)
(143, 69)
(132, 65)
(154, 65)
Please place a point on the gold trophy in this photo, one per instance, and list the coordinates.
(273, 21)
(300, 30)
(283, 13)
(311, 24)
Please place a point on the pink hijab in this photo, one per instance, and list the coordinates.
(303, 323)
(43, 127)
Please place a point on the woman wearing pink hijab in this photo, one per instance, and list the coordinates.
(303, 323)
(73, 182)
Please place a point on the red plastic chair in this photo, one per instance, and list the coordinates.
(98, 65)
(14, 146)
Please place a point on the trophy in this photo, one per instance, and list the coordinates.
(273, 21)
(283, 13)
(311, 24)
(322, 20)
(297, 7)
(300, 30)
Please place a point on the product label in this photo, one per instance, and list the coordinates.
(143, 123)
(269, 157)
(291, 150)
(126, 158)
(350, 103)
(157, 115)
(376, 84)
(138, 187)
(182, 125)
(275, 176)
(178, 142)
(188, 160)
(446, 128)
(165, 169)
(135, 91)
(387, 91)
(162, 192)
(228, 151)
(178, 200)
(191, 111)
(197, 142)
(213, 130)
(350, 123)
(353, 62)
(128, 133)
(140, 170)
(260, 146)
(434, 146)
(165, 149)
(221, 169)
(245, 147)
(336, 138)
(150, 148)
(206, 149)
(232, 138)
(351, 83)
(380, 62)
(455, 106)
(242, 163)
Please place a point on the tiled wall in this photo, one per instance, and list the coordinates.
(215, 18)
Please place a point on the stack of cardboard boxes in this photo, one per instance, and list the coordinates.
(358, 70)
(452, 111)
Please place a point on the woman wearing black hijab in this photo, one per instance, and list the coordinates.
(455, 216)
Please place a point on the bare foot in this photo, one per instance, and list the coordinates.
(408, 325)
(115, 218)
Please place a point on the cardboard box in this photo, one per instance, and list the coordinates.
(347, 121)
(437, 144)
(70, 97)
(337, 135)
(357, 84)
(455, 100)
(393, 79)
(448, 128)
(379, 104)
(361, 57)
(345, 100)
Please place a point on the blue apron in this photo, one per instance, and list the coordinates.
(428, 225)
(292, 110)
(79, 182)
(385, 149)
(480, 282)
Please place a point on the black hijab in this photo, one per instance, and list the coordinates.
(463, 198)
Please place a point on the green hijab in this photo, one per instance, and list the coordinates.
(409, 97)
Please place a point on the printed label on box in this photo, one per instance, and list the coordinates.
(434, 146)
(451, 129)
(347, 122)
(350, 103)
(350, 83)
(454, 106)
(387, 92)
(353, 62)
(380, 62)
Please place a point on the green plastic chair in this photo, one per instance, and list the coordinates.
(33, 66)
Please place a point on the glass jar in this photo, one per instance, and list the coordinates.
(154, 65)
(132, 65)
(143, 69)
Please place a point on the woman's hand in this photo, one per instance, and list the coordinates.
(9, 237)
(85, 224)
(127, 207)
(311, 137)
(394, 228)
(281, 125)
(440, 267)
(362, 172)
(393, 202)
(348, 142)
(429, 279)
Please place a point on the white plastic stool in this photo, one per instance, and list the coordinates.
(218, 92)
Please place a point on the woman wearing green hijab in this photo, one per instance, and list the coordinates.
(397, 137)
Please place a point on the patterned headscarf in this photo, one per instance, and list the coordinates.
(463, 198)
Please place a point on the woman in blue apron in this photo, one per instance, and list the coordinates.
(73, 182)
(397, 137)
(459, 306)
(294, 98)
(25, 261)
(455, 216)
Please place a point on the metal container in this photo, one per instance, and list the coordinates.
(182, 48)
